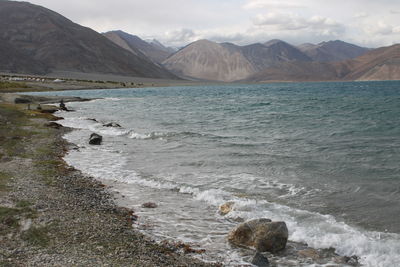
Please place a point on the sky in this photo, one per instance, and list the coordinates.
(368, 23)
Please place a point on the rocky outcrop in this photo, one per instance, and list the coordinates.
(262, 234)
(95, 139)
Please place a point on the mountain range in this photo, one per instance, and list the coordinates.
(378, 64)
(36, 40)
(275, 60)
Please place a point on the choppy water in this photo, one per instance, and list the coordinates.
(324, 157)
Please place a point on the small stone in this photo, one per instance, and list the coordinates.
(95, 139)
(54, 125)
(149, 205)
(112, 124)
(260, 260)
(226, 208)
(309, 253)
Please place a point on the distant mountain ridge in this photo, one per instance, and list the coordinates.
(199, 60)
(154, 50)
(378, 64)
(38, 40)
(277, 60)
(332, 51)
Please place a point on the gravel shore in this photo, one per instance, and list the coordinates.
(53, 215)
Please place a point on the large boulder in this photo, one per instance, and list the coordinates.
(95, 139)
(262, 234)
(20, 100)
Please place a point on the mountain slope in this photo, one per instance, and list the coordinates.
(207, 60)
(15, 61)
(228, 62)
(378, 64)
(133, 43)
(156, 44)
(46, 38)
(297, 71)
(332, 51)
(271, 53)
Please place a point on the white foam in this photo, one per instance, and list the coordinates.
(139, 136)
(93, 126)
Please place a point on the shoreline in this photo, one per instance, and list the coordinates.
(295, 251)
(52, 214)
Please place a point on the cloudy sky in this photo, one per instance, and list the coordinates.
(370, 23)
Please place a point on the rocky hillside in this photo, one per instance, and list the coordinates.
(207, 60)
(379, 64)
(41, 41)
(154, 50)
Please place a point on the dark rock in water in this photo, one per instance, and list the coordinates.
(54, 125)
(20, 100)
(262, 234)
(112, 124)
(260, 260)
(95, 139)
(149, 205)
(51, 111)
(90, 119)
(352, 261)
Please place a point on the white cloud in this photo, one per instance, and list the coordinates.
(361, 15)
(179, 37)
(381, 28)
(293, 22)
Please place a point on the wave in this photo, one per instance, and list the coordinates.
(317, 230)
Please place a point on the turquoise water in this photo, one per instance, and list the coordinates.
(317, 155)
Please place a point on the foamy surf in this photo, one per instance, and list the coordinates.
(317, 230)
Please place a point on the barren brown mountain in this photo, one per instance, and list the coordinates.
(42, 41)
(207, 60)
(378, 64)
